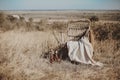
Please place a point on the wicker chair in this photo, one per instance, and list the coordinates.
(76, 29)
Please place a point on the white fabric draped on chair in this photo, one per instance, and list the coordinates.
(81, 51)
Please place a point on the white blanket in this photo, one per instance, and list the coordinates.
(81, 51)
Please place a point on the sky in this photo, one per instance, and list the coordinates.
(59, 4)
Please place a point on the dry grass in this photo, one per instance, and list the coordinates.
(20, 59)
(21, 55)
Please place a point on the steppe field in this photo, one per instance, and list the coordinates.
(25, 42)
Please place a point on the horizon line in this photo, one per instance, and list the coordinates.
(58, 9)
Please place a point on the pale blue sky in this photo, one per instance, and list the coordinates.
(58, 4)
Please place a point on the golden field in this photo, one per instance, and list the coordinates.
(23, 45)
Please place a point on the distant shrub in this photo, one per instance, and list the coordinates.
(4, 22)
(101, 33)
(59, 25)
(116, 32)
(30, 19)
(2, 18)
(94, 18)
(43, 22)
(11, 18)
(107, 31)
(22, 18)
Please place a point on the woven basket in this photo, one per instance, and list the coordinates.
(77, 28)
